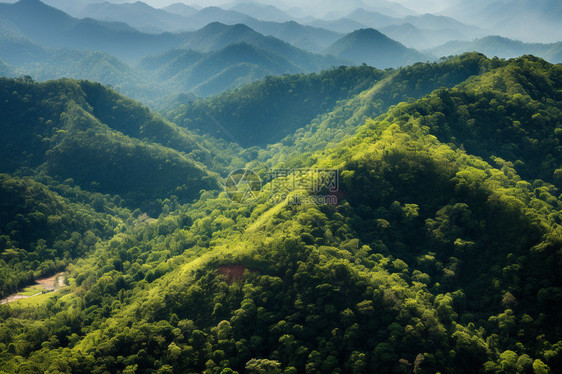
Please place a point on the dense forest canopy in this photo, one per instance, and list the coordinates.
(442, 253)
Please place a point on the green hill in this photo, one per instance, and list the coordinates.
(438, 254)
(330, 105)
(41, 232)
(257, 114)
(84, 131)
(403, 85)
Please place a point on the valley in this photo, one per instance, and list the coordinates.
(280, 187)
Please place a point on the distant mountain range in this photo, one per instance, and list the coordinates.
(251, 41)
(52, 27)
(501, 47)
(181, 9)
(414, 37)
(261, 11)
(214, 72)
(527, 20)
(139, 15)
(229, 56)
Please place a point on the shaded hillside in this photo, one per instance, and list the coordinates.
(404, 85)
(258, 115)
(69, 129)
(211, 73)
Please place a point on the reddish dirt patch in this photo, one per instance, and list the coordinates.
(234, 273)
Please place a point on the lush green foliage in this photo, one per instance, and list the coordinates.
(434, 260)
(257, 114)
(403, 85)
(40, 232)
(88, 133)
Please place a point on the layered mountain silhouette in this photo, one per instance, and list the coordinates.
(501, 47)
(138, 15)
(52, 27)
(264, 12)
(527, 20)
(374, 48)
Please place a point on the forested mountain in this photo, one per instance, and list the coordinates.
(331, 105)
(235, 55)
(19, 50)
(501, 47)
(374, 48)
(233, 66)
(85, 132)
(42, 232)
(257, 115)
(441, 253)
(317, 194)
(404, 85)
(99, 67)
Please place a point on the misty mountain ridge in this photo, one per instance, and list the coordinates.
(375, 49)
(52, 27)
(263, 12)
(181, 9)
(139, 15)
(526, 20)
(501, 47)
(414, 37)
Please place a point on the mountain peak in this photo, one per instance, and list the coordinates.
(32, 3)
(368, 34)
(374, 48)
